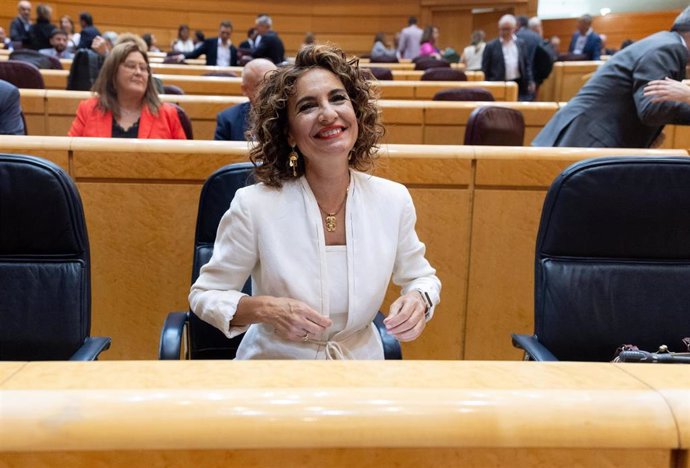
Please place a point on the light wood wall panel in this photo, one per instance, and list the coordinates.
(617, 27)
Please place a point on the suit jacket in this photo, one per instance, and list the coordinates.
(210, 48)
(19, 30)
(610, 110)
(11, 122)
(92, 122)
(270, 47)
(88, 34)
(494, 67)
(231, 123)
(592, 48)
(277, 236)
(39, 35)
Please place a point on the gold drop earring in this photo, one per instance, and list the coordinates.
(293, 161)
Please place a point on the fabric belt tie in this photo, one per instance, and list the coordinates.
(333, 349)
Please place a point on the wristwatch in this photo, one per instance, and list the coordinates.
(427, 302)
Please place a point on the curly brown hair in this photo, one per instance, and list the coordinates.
(269, 114)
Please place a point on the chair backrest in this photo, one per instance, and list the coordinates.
(381, 73)
(185, 121)
(21, 74)
(206, 341)
(45, 288)
(172, 89)
(612, 261)
(86, 65)
(497, 126)
(36, 58)
(424, 63)
(383, 59)
(224, 74)
(464, 94)
(443, 74)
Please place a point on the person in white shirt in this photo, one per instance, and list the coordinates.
(183, 43)
(472, 55)
(319, 237)
(506, 59)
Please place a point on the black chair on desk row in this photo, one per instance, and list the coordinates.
(45, 281)
(184, 330)
(612, 262)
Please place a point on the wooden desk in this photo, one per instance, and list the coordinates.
(406, 414)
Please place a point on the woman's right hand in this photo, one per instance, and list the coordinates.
(291, 319)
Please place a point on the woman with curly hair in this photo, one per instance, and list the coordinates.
(319, 236)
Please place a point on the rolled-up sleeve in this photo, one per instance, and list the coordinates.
(215, 294)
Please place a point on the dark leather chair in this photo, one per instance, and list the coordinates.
(382, 59)
(21, 74)
(424, 63)
(34, 57)
(443, 74)
(612, 263)
(222, 74)
(45, 282)
(380, 73)
(185, 121)
(497, 126)
(172, 89)
(464, 94)
(203, 341)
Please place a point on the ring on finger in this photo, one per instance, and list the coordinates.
(306, 338)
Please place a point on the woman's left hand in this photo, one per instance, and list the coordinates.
(406, 319)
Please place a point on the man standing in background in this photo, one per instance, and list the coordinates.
(19, 27)
(410, 38)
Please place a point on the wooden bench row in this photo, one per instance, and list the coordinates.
(478, 210)
(51, 112)
(404, 88)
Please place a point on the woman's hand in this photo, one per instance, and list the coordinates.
(667, 90)
(291, 319)
(406, 319)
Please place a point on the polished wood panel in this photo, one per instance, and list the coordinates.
(321, 405)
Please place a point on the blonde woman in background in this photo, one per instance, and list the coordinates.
(472, 55)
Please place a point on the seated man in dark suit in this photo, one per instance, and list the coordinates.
(507, 59)
(585, 41)
(11, 122)
(267, 43)
(219, 50)
(232, 122)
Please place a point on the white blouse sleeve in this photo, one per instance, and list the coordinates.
(215, 294)
(412, 270)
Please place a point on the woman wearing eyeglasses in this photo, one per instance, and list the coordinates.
(126, 104)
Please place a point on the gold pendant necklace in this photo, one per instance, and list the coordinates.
(330, 219)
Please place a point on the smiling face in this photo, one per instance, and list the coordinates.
(322, 121)
(132, 75)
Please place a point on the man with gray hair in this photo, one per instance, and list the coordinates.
(507, 58)
(19, 27)
(231, 124)
(611, 110)
(267, 43)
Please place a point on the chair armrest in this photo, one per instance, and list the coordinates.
(171, 335)
(534, 350)
(92, 347)
(391, 346)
